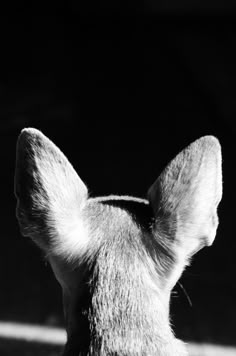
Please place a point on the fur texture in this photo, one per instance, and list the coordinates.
(118, 258)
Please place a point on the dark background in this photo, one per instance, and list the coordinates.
(121, 88)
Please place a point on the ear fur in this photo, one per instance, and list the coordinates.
(50, 194)
(186, 195)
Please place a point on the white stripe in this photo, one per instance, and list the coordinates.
(32, 333)
(57, 336)
(204, 349)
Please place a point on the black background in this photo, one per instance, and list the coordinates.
(121, 88)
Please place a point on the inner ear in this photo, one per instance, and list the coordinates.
(186, 195)
(50, 196)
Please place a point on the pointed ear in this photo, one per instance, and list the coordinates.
(186, 195)
(50, 194)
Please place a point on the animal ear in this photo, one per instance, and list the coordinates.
(186, 195)
(50, 195)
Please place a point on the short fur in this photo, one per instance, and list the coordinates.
(118, 258)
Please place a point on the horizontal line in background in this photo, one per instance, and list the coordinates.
(204, 349)
(32, 333)
(57, 337)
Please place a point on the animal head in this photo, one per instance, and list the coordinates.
(117, 258)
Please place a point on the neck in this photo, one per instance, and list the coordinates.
(128, 317)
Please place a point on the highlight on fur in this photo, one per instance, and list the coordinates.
(117, 258)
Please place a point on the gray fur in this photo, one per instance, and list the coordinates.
(118, 258)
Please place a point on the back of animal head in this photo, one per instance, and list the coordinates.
(117, 258)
